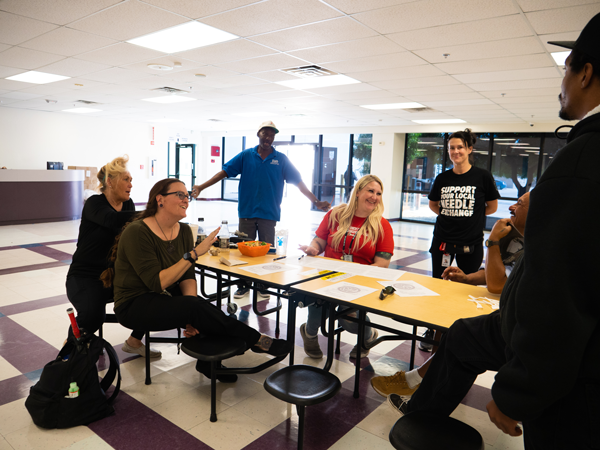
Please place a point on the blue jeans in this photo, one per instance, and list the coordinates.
(314, 321)
(89, 297)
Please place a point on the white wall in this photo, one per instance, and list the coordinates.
(387, 162)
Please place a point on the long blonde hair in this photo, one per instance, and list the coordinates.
(114, 169)
(343, 214)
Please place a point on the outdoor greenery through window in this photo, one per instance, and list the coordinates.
(516, 160)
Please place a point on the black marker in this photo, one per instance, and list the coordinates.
(277, 259)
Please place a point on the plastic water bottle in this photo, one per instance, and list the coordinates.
(281, 238)
(73, 390)
(201, 231)
(224, 237)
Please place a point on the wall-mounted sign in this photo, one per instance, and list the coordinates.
(215, 150)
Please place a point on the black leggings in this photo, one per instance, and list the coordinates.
(467, 262)
(158, 312)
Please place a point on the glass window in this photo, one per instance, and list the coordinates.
(550, 146)
(232, 146)
(424, 159)
(306, 139)
(361, 154)
(251, 141)
(230, 189)
(515, 159)
(481, 151)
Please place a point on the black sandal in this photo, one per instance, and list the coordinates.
(279, 347)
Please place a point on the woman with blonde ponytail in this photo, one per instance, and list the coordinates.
(102, 218)
(354, 232)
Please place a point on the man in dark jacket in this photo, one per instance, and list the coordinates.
(545, 340)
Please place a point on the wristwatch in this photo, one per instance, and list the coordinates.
(489, 243)
(188, 257)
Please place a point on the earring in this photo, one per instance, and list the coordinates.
(160, 205)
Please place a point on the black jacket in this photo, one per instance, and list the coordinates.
(550, 305)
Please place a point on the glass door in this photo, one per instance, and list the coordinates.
(181, 163)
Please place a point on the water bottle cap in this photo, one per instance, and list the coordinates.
(225, 222)
(74, 384)
(200, 219)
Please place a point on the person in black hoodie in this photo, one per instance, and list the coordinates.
(545, 340)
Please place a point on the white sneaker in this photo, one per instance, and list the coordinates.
(141, 350)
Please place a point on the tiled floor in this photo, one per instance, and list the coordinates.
(173, 412)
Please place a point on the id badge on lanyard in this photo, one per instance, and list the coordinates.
(347, 258)
(446, 257)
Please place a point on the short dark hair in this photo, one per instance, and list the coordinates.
(466, 136)
(580, 59)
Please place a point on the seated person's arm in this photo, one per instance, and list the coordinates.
(495, 272)
(189, 287)
(316, 247)
(382, 259)
(453, 273)
(435, 207)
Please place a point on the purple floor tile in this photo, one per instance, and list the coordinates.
(14, 388)
(32, 305)
(50, 252)
(150, 431)
(402, 352)
(67, 241)
(478, 397)
(23, 349)
(31, 267)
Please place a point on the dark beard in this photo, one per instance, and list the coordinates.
(564, 115)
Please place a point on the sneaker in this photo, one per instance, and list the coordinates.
(429, 334)
(262, 291)
(398, 404)
(394, 384)
(311, 344)
(141, 350)
(241, 292)
(364, 351)
(204, 368)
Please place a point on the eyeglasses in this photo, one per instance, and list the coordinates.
(181, 195)
(388, 290)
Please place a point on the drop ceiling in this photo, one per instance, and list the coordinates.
(483, 61)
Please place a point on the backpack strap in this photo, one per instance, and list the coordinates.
(113, 370)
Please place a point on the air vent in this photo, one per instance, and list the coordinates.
(309, 72)
(214, 120)
(420, 110)
(87, 102)
(170, 90)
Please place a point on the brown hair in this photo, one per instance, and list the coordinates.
(114, 169)
(466, 136)
(160, 188)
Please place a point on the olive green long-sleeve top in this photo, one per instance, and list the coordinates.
(142, 255)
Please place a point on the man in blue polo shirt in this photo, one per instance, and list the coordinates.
(263, 173)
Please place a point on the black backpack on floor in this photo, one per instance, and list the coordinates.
(49, 403)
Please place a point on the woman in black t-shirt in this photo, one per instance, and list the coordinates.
(102, 219)
(461, 197)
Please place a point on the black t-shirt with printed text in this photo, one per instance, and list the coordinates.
(462, 205)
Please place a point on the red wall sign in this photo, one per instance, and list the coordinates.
(215, 150)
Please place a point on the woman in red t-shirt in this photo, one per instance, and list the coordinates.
(353, 232)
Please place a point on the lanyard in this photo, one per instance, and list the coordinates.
(353, 237)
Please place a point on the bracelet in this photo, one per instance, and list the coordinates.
(194, 250)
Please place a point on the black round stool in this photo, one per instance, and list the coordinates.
(302, 386)
(214, 349)
(422, 431)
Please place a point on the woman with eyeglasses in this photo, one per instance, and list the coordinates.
(355, 232)
(102, 218)
(154, 278)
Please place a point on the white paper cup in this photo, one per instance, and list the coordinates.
(194, 228)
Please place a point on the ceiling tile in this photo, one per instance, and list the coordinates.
(195, 9)
(321, 33)
(23, 58)
(519, 84)
(430, 90)
(4, 47)
(269, 16)
(67, 42)
(356, 6)
(498, 64)
(509, 101)
(60, 12)
(416, 82)
(361, 87)
(46, 89)
(479, 31)
(264, 63)
(114, 75)
(536, 5)
(370, 63)
(227, 82)
(258, 89)
(570, 36)
(519, 93)
(444, 97)
(227, 51)
(71, 67)
(371, 46)
(433, 13)
(396, 74)
(9, 71)
(439, 104)
(274, 76)
(365, 97)
(483, 50)
(509, 75)
(16, 29)
(170, 60)
(128, 20)
(561, 20)
(189, 76)
(120, 54)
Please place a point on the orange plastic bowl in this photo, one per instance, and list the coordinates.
(260, 250)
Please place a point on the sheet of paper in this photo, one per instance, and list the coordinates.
(409, 288)
(267, 268)
(383, 273)
(345, 291)
(352, 268)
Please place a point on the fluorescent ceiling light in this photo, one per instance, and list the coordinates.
(409, 105)
(532, 149)
(560, 57)
(37, 77)
(165, 120)
(420, 142)
(81, 110)
(183, 37)
(318, 82)
(169, 99)
(523, 154)
(509, 143)
(504, 139)
(436, 121)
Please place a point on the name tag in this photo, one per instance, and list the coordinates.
(347, 258)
